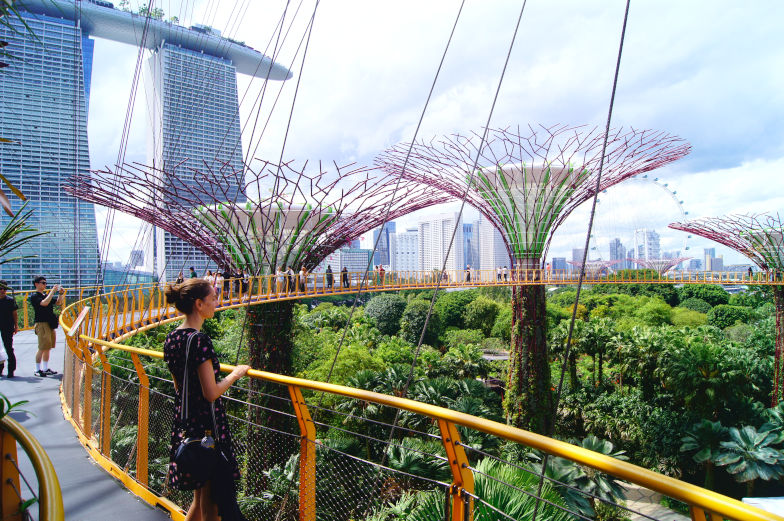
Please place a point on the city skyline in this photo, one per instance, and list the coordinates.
(657, 89)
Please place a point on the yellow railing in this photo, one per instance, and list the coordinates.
(50, 500)
(91, 394)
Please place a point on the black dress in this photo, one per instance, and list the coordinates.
(199, 414)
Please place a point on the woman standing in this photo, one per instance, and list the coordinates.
(198, 363)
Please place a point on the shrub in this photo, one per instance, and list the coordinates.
(463, 336)
(724, 315)
(450, 306)
(682, 317)
(710, 293)
(480, 314)
(502, 327)
(739, 333)
(696, 304)
(413, 321)
(387, 311)
(654, 313)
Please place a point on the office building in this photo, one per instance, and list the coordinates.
(618, 252)
(559, 264)
(577, 257)
(492, 248)
(407, 250)
(136, 259)
(43, 110)
(695, 265)
(435, 235)
(383, 255)
(646, 244)
(353, 259)
(471, 245)
(709, 255)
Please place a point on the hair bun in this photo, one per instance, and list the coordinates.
(172, 293)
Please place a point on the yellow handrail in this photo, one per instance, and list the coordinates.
(50, 499)
(700, 500)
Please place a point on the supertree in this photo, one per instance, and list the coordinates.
(760, 237)
(594, 268)
(660, 266)
(526, 182)
(285, 215)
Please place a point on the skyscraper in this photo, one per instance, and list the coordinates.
(492, 250)
(646, 244)
(43, 109)
(471, 245)
(710, 254)
(434, 236)
(384, 252)
(407, 250)
(618, 252)
(193, 98)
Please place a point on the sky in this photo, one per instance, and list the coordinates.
(707, 71)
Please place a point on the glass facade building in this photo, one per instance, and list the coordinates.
(43, 109)
(195, 126)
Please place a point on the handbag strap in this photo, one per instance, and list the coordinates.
(184, 397)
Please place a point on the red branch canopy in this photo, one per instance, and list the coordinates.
(528, 180)
(274, 215)
(757, 236)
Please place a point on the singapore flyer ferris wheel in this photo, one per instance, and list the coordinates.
(627, 215)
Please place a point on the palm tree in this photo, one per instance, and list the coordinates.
(705, 438)
(750, 455)
(602, 485)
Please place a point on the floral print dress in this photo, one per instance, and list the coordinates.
(199, 414)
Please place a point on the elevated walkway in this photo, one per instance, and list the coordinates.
(89, 493)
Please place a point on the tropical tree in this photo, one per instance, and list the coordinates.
(481, 314)
(704, 439)
(16, 233)
(386, 310)
(751, 455)
(413, 322)
(465, 361)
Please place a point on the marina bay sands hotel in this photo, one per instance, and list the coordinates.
(191, 87)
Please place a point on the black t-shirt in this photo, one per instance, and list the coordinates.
(7, 307)
(42, 313)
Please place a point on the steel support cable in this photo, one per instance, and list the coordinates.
(457, 221)
(581, 277)
(394, 192)
(260, 267)
(462, 205)
(109, 221)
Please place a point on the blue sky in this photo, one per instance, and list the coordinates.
(708, 71)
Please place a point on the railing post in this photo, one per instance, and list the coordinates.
(9, 478)
(462, 476)
(105, 425)
(143, 430)
(307, 456)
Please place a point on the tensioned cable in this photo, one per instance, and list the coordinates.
(392, 198)
(587, 241)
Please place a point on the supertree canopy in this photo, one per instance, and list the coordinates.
(660, 266)
(526, 182)
(594, 268)
(760, 237)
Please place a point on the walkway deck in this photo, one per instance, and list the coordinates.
(89, 493)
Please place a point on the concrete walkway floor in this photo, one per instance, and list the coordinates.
(89, 493)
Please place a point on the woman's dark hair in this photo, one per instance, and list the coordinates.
(185, 294)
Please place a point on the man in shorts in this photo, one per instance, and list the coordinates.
(9, 326)
(45, 319)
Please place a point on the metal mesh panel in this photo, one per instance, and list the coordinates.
(96, 404)
(124, 418)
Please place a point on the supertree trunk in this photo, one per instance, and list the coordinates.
(528, 399)
(778, 385)
(269, 333)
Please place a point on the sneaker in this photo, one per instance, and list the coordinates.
(50, 372)
(10, 375)
(40, 373)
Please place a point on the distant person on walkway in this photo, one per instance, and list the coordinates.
(303, 279)
(468, 273)
(329, 277)
(290, 279)
(45, 322)
(195, 369)
(179, 279)
(751, 273)
(498, 273)
(280, 280)
(344, 277)
(9, 326)
(193, 272)
(382, 274)
(506, 275)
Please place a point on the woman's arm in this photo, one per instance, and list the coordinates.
(211, 389)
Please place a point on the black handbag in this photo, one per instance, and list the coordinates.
(196, 457)
(54, 323)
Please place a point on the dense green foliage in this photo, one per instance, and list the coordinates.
(386, 310)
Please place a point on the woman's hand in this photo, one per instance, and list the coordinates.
(240, 371)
